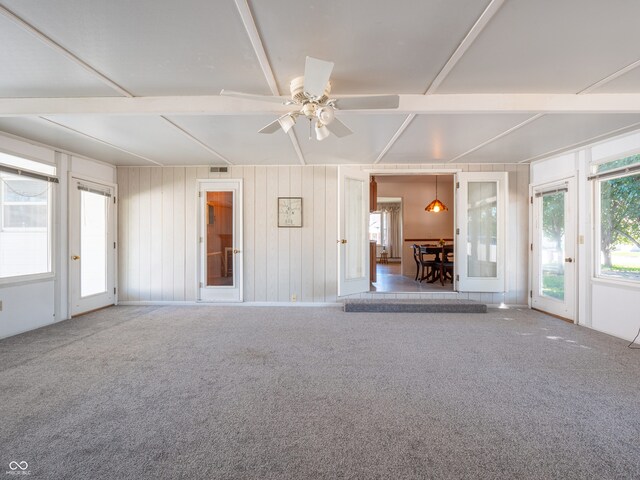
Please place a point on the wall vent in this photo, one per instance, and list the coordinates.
(218, 169)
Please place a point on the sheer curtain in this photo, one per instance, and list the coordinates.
(394, 239)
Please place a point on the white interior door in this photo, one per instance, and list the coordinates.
(480, 242)
(353, 232)
(553, 249)
(220, 240)
(91, 245)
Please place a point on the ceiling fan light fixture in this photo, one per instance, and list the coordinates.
(322, 131)
(286, 122)
(325, 115)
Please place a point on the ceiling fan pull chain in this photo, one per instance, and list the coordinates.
(309, 129)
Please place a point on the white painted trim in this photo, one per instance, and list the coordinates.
(409, 104)
(468, 40)
(232, 304)
(28, 279)
(610, 78)
(95, 139)
(379, 172)
(586, 143)
(394, 138)
(60, 49)
(195, 140)
(256, 42)
(296, 146)
(497, 137)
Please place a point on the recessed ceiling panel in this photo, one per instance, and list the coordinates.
(237, 138)
(440, 138)
(377, 46)
(544, 46)
(371, 133)
(190, 47)
(58, 137)
(627, 83)
(152, 137)
(29, 68)
(549, 134)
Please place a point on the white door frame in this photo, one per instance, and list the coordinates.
(233, 293)
(566, 309)
(114, 235)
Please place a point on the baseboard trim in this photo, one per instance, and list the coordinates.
(228, 304)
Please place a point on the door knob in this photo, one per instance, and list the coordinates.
(568, 259)
(75, 257)
(235, 250)
(343, 241)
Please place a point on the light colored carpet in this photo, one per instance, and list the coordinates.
(304, 393)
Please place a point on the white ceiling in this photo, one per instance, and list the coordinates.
(93, 48)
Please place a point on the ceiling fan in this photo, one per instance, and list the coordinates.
(310, 96)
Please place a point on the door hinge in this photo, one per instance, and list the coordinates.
(200, 284)
(532, 247)
(114, 199)
(114, 290)
(530, 293)
(114, 244)
(457, 278)
(531, 200)
(457, 231)
(200, 239)
(199, 194)
(457, 184)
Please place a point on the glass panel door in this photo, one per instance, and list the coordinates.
(553, 251)
(552, 246)
(481, 233)
(92, 246)
(93, 243)
(220, 240)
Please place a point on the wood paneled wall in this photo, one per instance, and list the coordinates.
(157, 219)
(157, 233)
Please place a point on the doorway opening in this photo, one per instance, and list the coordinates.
(399, 221)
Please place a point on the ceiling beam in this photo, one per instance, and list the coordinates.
(258, 47)
(610, 78)
(477, 28)
(467, 41)
(60, 49)
(409, 104)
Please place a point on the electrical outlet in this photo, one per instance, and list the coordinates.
(294, 297)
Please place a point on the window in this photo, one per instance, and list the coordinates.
(25, 217)
(617, 192)
(379, 228)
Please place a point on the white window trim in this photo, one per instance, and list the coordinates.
(597, 276)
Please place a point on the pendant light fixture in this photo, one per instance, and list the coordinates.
(436, 206)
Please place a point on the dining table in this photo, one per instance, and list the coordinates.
(444, 266)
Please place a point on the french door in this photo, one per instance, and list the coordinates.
(353, 232)
(220, 240)
(91, 245)
(553, 249)
(480, 244)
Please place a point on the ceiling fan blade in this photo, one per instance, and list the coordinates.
(250, 96)
(338, 128)
(316, 76)
(369, 102)
(271, 128)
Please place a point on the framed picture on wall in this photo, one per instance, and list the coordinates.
(290, 212)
